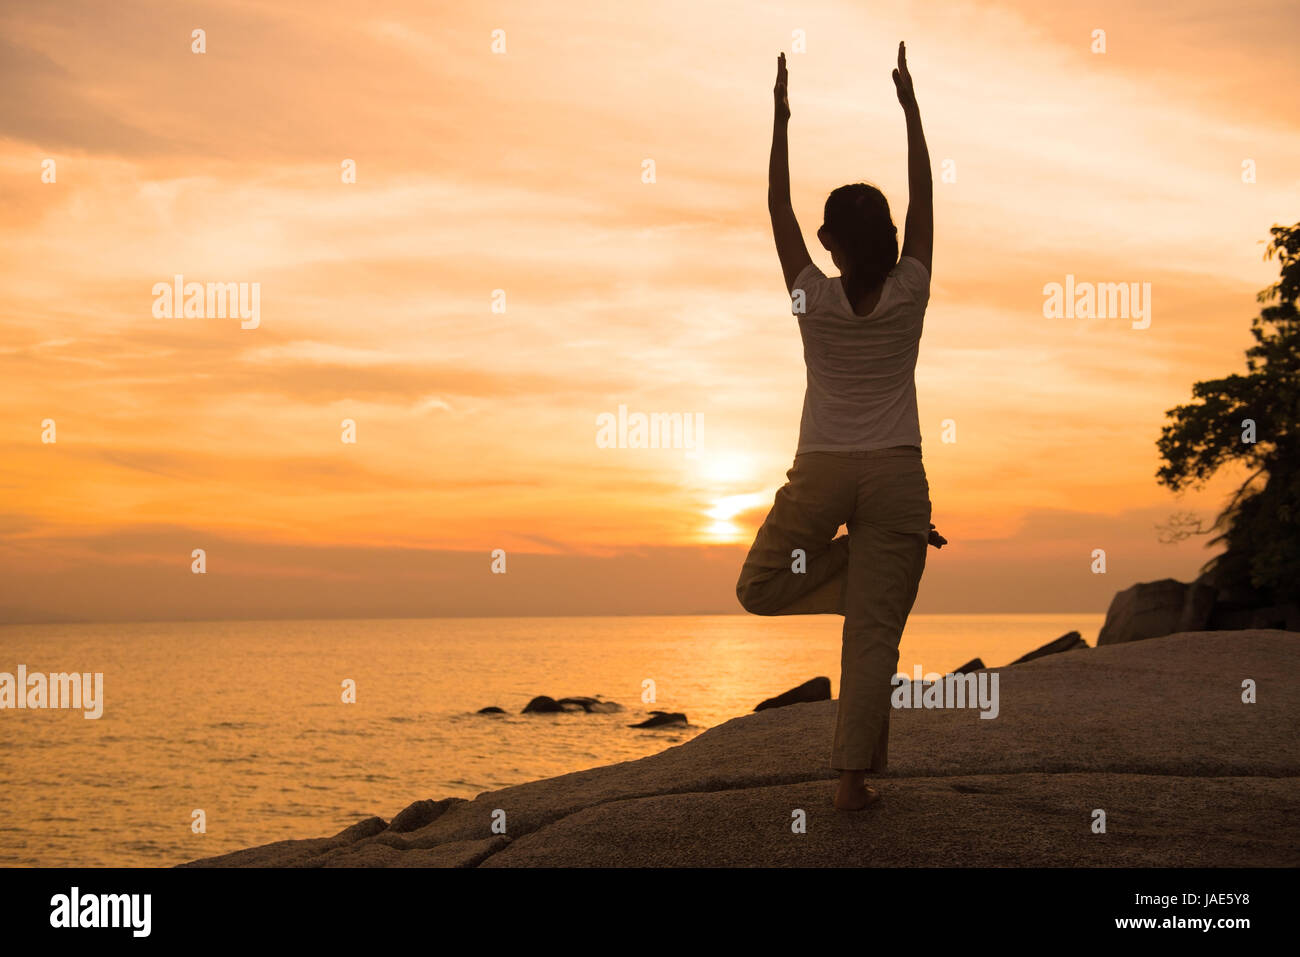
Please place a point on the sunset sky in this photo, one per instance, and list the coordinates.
(478, 171)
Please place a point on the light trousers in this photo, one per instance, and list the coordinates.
(797, 566)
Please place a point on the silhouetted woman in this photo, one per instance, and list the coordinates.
(858, 462)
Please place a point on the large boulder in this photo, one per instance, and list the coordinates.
(1166, 607)
(1146, 610)
(1281, 617)
(815, 689)
(1067, 642)
(1198, 606)
(975, 664)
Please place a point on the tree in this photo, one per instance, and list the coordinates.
(1253, 419)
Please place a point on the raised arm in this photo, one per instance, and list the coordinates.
(918, 236)
(790, 246)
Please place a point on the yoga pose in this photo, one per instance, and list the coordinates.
(858, 462)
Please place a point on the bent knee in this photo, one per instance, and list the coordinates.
(754, 598)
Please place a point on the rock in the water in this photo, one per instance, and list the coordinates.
(493, 709)
(661, 718)
(1146, 610)
(975, 664)
(542, 705)
(590, 705)
(816, 689)
(1067, 642)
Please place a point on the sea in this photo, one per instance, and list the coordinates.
(263, 731)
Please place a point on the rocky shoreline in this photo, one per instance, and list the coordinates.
(1157, 736)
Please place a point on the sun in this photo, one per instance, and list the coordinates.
(727, 469)
(722, 528)
(723, 477)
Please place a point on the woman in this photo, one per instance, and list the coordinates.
(858, 461)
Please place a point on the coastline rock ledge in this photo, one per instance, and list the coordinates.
(1154, 733)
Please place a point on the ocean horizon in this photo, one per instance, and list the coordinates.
(243, 724)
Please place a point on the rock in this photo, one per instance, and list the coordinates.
(975, 664)
(420, 814)
(1153, 609)
(1198, 606)
(362, 829)
(542, 705)
(661, 718)
(590, 705)
(491, 710)
(545, 705)
(1067, 642)
(1146, 610)
(816, 689)
(1229, 579)
(1282, 617)
(1228, 618)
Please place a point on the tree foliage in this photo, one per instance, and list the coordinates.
(1260, 526)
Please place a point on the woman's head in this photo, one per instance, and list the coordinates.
(860, 235)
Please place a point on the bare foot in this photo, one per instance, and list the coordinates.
(851, 798)
(937, 540)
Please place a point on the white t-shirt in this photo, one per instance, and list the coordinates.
(861, 390)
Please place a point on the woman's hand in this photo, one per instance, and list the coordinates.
(779, 91)
(903, 80)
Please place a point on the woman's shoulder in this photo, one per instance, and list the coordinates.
(911, 275)
(806, 293)
(809, 274)
(909, 266)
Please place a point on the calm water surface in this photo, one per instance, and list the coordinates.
(244, 719)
